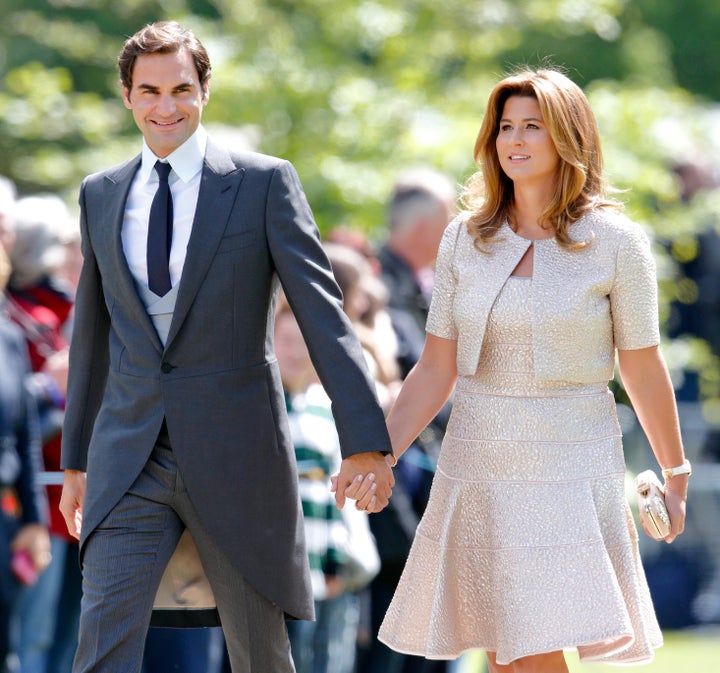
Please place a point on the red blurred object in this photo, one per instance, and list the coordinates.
(23, 568)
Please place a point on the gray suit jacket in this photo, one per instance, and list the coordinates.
(216, 381)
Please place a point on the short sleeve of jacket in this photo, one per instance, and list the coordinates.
(440, 320)
(633, 298)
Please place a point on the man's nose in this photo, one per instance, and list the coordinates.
(166, 105)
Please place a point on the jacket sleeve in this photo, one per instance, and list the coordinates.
(89, 354)
(440, 319)
(306, 276)
(633, 297)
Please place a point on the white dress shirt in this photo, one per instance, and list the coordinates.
(186, 162)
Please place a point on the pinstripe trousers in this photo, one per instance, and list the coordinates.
(123, 561)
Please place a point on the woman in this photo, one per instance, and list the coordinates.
(527, 546)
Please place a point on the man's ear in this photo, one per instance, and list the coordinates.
(206, 90)
(126, 97)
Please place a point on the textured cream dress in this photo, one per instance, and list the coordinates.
(527, 544)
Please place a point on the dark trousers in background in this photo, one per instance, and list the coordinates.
(184, 650)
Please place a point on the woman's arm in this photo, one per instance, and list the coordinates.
(426, 388)
(424, 391)
(647, 382)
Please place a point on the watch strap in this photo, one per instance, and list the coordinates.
(670, 472)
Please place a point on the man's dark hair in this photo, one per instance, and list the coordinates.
(163, 37)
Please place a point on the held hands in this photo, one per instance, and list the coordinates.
(71, 501)
(366, 478)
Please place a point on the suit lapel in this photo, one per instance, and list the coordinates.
(115, 192)
(218, 186)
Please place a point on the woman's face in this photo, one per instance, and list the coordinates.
(525, 149)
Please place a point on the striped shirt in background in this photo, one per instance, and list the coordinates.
(317, 450)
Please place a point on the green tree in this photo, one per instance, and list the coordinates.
(352, 91)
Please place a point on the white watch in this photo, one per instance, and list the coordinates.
(670, 472)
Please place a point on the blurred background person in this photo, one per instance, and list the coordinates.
(422, 203)
(342, 553)
(39, 301)
(420, 207)
(24, 541)
(365, 300)
(358, 241)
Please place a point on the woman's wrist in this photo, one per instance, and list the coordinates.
(685, 468)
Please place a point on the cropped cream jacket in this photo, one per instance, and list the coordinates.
(585, 303)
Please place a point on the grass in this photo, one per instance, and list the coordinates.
(690, 651)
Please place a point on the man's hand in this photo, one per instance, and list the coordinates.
(71, 501)
(366, 478)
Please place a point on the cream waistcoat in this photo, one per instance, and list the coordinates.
(585, 303)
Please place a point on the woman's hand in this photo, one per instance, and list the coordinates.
(675, 497)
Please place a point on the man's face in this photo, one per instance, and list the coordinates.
(166, 99)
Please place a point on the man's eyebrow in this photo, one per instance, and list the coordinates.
(153, 87)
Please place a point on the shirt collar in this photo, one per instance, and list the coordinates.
(187, 160)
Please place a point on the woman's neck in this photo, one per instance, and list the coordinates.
(526, 213)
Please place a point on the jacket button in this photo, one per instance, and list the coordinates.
(166, 367)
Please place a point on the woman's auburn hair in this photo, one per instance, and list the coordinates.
(488, 194)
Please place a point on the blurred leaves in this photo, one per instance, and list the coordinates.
(352, 91)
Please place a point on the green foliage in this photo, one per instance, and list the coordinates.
(352, 91)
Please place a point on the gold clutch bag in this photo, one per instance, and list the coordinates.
(651, 505)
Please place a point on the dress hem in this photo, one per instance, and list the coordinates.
(604, 658)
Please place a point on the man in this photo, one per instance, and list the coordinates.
(175, 408)
(421, 205)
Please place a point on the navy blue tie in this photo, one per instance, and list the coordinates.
(160, 233)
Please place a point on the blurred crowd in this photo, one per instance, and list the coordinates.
(40, 261)
(684, 578)
(356, 560)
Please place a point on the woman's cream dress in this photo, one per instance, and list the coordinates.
(527, 544)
